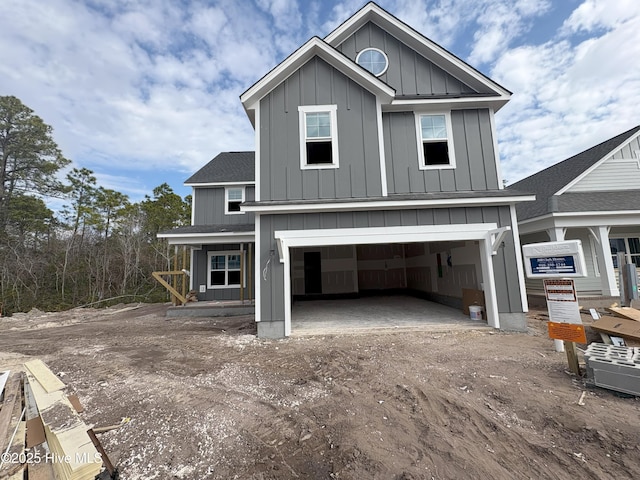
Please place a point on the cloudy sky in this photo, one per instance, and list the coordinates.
(146, 91)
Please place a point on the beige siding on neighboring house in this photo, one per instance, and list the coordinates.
(621, 171)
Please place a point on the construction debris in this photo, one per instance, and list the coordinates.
(625, 312)
(42, 437)
(629, 330)
(614, 368)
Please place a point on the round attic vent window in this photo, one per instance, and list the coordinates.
(374, 60)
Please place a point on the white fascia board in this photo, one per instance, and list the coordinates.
(316, 46)
(597, 164)
(388, 205)
(435, 53)
(425, 104)
(374, 235)
(207, 238)
(579, 220)
(219, 184)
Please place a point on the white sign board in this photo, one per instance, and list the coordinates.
(554, 259)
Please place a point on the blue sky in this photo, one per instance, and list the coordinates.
(146, 91)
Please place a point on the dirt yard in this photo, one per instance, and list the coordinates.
(207, 400)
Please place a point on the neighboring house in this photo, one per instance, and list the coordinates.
(594, 197)
(376, 169)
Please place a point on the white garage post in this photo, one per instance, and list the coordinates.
(286, 260)
(489, 281)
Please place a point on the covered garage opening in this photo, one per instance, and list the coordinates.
(383, 285)
(432, 263)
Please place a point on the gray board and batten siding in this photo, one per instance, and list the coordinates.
(409, 73)
(272, 289)
(474, 155)
(200, 272)
(210, 207)
(358, 175)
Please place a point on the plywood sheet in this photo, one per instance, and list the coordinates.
(626, 312)
(35, 432)
(45, 377)
(620, 327)
(471, 297)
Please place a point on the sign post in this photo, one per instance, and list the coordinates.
(554, 262)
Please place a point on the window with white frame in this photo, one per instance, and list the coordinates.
(435, 143)
(224, 269)
(318, 136)
(234, 196)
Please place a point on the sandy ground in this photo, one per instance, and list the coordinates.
(207, 400)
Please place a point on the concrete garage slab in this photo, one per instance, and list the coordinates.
(317, 317)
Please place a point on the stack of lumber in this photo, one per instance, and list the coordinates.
(12, 426)
(71, 451)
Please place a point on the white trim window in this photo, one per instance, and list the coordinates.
(318, 136)
(435, 142)
(233, 197)
(223, 269)
(373, 60)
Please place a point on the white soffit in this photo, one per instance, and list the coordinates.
(425, 47)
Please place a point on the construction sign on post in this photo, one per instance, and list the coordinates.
(564, 312)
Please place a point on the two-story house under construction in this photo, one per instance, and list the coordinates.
(375, 169)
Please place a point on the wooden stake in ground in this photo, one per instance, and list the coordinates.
(572, 357)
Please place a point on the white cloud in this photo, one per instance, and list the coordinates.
(568, 97)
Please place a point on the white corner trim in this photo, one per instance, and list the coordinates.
(257, 283)
(519, 261)
(496, 153)
(257, 152)
(383, 160)
(193, 206)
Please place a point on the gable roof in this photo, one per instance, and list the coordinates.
(226, 167)
(553, 180)
(441, 57)
(314, 47)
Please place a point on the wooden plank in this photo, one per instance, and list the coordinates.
(12, 395)
(625, 312)
(572, 357)
(41, 470)
(30, 402)
(35, 432)
(49, 381)
(75, 401)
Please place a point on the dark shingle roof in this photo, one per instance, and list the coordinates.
(226, 167)
(550, 180)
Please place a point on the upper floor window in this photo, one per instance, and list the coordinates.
(318, 136)
(233, 197)
(374, 60)
(435, 144)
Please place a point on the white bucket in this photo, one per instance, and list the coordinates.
(475, 312)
